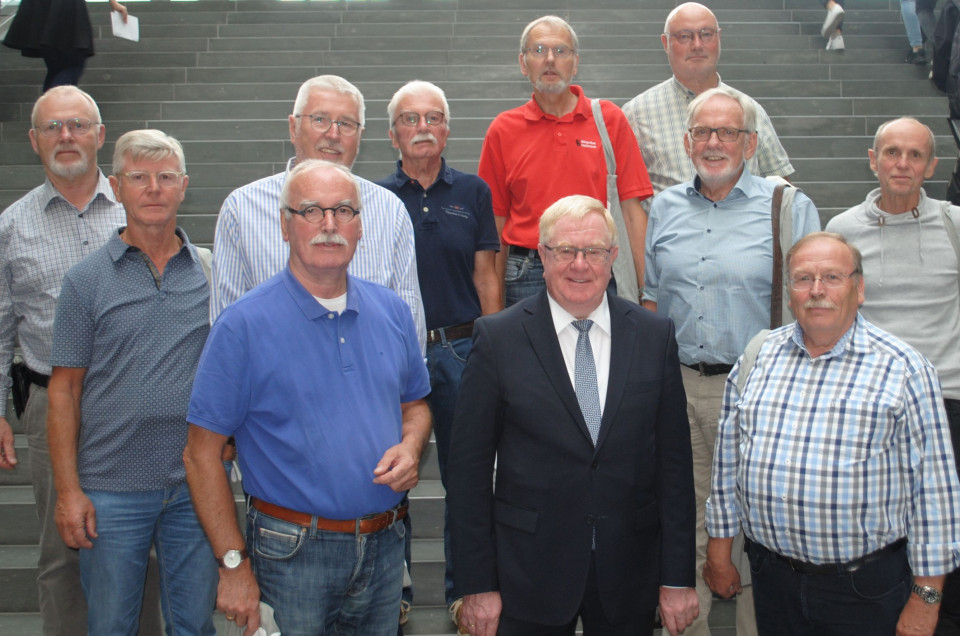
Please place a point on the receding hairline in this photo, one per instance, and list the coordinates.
(58, 91)
(688, 5)
(931, 139)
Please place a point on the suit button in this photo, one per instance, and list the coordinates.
(595, 465)
(589, 520)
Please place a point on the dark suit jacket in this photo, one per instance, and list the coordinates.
(530, 538)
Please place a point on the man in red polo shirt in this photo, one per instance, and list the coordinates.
(550, 148)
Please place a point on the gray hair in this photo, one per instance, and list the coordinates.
(576, 206)
(931, 140)
(64, 90)
(309, 166)
(553, 21)
(333, 83)
(746, 105)
(152, 145)
(816, 236)
(413, 88)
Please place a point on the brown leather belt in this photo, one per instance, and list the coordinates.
(363, 525)
(455, 332)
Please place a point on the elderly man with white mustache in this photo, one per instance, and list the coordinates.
(456, 238)
(709, 256)
(834, 456)
(326, 123)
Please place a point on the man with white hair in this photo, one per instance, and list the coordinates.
(130, 325)
(691, 40)
(549, 148)
(456, 239)
(326, 123)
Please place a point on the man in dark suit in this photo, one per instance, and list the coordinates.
(577, 396)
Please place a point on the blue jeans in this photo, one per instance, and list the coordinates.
(908, 11)
(113, 571)
(445, 362)
(866, 601)
(321, 582)
(523, 277)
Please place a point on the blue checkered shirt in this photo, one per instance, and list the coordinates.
(41, 237)
(248, 246)
(830, 458)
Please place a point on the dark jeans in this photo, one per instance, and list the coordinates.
(867, 601)
(949, 624)
(595, 622)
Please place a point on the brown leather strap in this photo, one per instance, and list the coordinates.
(363, 525)
(776, 291)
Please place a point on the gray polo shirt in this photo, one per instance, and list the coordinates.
(140, 343)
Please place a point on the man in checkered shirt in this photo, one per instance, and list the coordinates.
(835, 456)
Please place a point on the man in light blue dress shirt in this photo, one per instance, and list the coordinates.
(326, 123)
(709, 266)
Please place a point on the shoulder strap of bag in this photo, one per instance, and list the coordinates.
(605, 138)
(749, 358)
(776, 291)
(951, 233)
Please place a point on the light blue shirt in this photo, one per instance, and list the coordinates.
(42, 236)
(830, 458)
(709, 265)
(248, 247)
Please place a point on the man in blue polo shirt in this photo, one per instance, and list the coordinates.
(319, 377)
(456, 239)
(129, 328)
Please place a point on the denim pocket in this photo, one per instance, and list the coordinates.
(277, 543)
(515, 268)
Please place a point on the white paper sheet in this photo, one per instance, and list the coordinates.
(129, 30)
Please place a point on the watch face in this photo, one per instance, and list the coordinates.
(232, 559)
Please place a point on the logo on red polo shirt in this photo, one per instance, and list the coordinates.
(586, 143)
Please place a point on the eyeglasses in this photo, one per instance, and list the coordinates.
(568, 253)
(686, 36)
(77, 127)
(139, 180)
(702, 133)
(805, 282)
(559, 52)
(316, 214)
(322, 123)
(410, 118)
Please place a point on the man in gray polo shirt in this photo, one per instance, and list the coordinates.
(129, 328)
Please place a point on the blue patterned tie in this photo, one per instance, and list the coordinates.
(585, 379)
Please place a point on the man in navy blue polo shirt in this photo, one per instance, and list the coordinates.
(319, 377)
(456, 240)
(129, 328)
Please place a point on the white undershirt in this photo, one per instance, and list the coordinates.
(336, 305)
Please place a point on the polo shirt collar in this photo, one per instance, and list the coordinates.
(117, 247)
(308, 304)
(745, 187)
(401, 178)
(103, 190)
(533, 112)
(686, 92)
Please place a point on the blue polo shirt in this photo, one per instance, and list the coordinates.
(313, 397)
(139, 344)
(452, 221)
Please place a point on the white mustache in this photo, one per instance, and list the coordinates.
(423, 137)
(329, 239)
(820, 304)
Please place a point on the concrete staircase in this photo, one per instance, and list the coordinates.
(221, 77)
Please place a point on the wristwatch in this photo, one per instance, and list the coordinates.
(232, 559)
(929, 595)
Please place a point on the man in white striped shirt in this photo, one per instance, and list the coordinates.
(326, 123)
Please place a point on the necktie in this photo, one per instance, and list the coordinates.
(585, 379)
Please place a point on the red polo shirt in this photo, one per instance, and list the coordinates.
(530, 159)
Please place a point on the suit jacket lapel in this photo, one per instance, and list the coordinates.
(623, 334)
(543, 339)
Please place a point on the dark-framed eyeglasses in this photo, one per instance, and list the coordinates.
(411, 119)
(322, 123)
(702, 133)
(568, 253)
(76, 126)
(685, 36)
(541, 51)
(805, 282)
(316, 214)
(165, 179)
